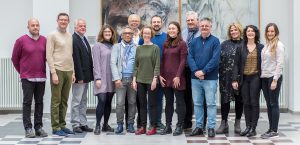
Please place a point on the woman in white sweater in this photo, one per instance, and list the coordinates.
(272, 57)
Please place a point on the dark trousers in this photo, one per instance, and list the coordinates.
(189, 105)
(225, 108)
(143, 90)
(180, 105)
(250, 91)
(103, 107)
(271, 97)
(34, 90)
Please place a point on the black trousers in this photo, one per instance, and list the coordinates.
(103, 107)
(188, 98)
(250, 91)
(180, 105)
(32, 90)
(272, 98)
(225, 108)
(143, 90)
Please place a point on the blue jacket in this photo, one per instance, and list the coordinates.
(204, 54)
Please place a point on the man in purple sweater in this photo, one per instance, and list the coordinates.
(29, 59)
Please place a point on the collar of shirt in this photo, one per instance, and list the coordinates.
(60, 30)
(159, 33)
(31, 36)
(82, 37)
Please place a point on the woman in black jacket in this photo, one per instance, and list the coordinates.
(246, 77)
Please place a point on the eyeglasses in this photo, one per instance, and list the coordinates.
(107, 32)
(204, 26)
(127, 33)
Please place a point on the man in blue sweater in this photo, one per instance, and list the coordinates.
(203, 60)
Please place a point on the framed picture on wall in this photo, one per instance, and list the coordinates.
(222, 13)
(116, 12)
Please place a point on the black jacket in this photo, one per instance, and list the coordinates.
(83, 62)
(240, 60)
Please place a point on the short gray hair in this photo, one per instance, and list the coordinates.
(77, 20)
(192, 13)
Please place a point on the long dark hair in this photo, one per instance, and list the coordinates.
(256, 31)
(173, 42)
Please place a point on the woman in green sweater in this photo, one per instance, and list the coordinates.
(147, 63)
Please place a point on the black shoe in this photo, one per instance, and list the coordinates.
(167, 130)
(97, 130)
(86, 128)
(77, 129)
(107, 128)
(211, 132)
(197, 131)
(178, 131)
(40, 132)
(245, 131)
(187, 125)
(252, 132)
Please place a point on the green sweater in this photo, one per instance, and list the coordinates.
(147, 63)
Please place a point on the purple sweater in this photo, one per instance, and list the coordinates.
(29, 57)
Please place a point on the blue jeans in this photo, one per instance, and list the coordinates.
(207, 89)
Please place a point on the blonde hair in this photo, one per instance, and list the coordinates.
(236, 25)
(272, 43)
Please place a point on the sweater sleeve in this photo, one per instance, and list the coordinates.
(136, 62)
(183, 56)
(157, 61)
(49, 52)
(16, 55)
(214, 61)
(191, 58)
(279, 61)
(96, 61)
(114, 63)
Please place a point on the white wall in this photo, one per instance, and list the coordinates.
(295, 58)
(14, 15)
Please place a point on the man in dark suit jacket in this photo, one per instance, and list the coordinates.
(83, 66)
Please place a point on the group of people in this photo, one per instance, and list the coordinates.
(141, 66)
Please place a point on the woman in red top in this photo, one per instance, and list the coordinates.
(172, 77)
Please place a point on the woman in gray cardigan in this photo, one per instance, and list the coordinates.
(103, 84)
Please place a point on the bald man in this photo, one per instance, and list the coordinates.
(30, 50)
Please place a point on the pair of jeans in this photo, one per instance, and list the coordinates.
(250, 91)
(32, 90)
(59, 99)
(103, 107)
(272, 98)
(143, 90)
(79, 104)
(121, 92)
(205, 89)
(180, 105)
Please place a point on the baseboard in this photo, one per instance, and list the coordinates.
(294, 112)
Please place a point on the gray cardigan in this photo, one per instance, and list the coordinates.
(116, 60)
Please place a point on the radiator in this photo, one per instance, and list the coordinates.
(11, 90)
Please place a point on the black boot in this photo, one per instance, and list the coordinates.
(178, 131)
(97, 130)
(167, 130)
(248, 128)
(252, 132)
(107, 128)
